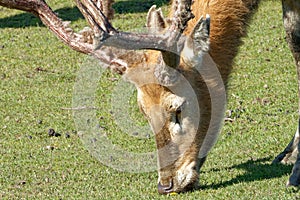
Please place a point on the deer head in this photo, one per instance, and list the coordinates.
(168, 86)
(172, 93)
(169, 102)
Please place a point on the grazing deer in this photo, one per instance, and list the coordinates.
(189, 45)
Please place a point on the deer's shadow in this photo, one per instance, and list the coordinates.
(256, 170)
(73, 14)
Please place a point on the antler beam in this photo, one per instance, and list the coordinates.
(102, 31)
(52, 21)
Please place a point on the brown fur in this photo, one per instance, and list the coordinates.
(229, 20)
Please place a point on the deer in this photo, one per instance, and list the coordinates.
(193, 47)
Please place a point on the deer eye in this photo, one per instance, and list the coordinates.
(176, 122)
(178, 116)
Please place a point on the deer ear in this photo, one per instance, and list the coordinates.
(199, 37)
(155, 20)
(197, 42)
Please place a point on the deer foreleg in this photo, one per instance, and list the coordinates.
(290, 153)
(291, 21)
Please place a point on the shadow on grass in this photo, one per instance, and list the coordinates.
(137, 6)
(73, 14)
(28, 19)
(255, 170)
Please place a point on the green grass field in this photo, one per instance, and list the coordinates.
(37, 77)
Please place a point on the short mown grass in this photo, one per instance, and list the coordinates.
(37, 76)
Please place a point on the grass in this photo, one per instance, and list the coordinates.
(37, 77)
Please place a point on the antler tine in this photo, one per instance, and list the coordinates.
(106, 7)
(52, 21)
(91, 9)
(181, 15)
(94, 15)
(167, 42)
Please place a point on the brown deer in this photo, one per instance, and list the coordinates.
(188, 45)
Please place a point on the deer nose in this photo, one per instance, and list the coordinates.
(165, 189)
